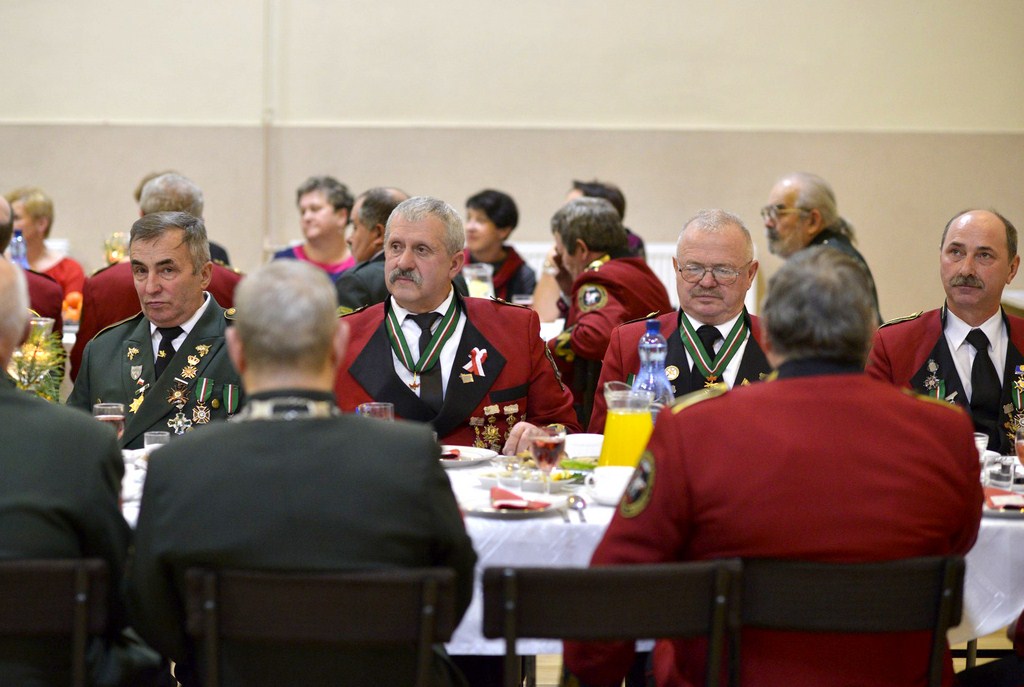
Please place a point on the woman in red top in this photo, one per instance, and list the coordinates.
(33, 215)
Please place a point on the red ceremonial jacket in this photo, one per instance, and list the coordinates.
(519, 381)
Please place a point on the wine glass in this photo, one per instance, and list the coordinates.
(547, 445)
(112, 414)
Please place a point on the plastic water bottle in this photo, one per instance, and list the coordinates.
(17, 250)
(653, 349)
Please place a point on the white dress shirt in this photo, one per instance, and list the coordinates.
(412, 337)
(963, 352)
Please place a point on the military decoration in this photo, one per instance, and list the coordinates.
(178, 395)
(466, 378)
(672, 372)
(202, 350)
(933, 384)
(132, 352)
(230, 398)
(1014, 410)
(179, 423)
(201, 414)
(193, 360)
(136, 372)
(591, 297)
(189, 372)
(136, 403)
(475, 366)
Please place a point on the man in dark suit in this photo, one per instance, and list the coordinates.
(715, 268)
(61, 476)
(933, 353)
(45, 296)
(475, 369)
(168, 364)
(820, 464)
(364, 284)
(109, 297)
(360, 494)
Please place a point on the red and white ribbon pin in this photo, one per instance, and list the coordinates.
(476, 362)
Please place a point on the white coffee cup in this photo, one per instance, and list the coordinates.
(608, 482)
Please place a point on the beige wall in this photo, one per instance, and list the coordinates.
(911, 110)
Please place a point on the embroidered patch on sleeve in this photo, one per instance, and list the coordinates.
(640, 488)
(591, 297)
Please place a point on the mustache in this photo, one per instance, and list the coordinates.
(698, 291)
(967, 280)
(399, 273)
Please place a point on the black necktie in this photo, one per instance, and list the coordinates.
(430, 380)
(985, 389)
(166, 351)
(708, 335)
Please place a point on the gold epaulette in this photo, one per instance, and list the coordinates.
(905, 318)
(230, 313)
(695, 397)
(111, 326)
(504, 302)
(656, 313)
(596, 264)
(345, 311)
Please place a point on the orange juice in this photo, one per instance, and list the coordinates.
(625, 436)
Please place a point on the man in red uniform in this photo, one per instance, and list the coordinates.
(109, 296)
(932, 352)
(607, 287)
(45, 296)
(476, 369)
(715, 268)
(821, 464)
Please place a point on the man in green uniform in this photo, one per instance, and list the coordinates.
(168, 364)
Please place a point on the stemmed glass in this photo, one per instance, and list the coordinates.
(547, 445)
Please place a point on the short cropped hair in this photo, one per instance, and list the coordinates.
(715, 220)
(336, 193)
(819, 305)
(378, 204)
(1011, 231)
(420, 207)
(286, 316)
(171, 192)
(499, 207)
(603, 189)
(592, 219)
(34, 202)
(154, 225)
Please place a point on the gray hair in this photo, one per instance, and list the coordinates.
(286, 315)
(814, 193)
(714, 221)
(595, 221)
(14, 311)
(421, 207)
(819, 305)
(378, 204)
(171, 192)
(152, 226)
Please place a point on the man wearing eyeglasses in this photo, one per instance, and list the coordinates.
(711, 338)
(606, 287)
(801, 212)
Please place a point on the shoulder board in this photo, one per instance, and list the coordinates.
(514, 305)
(226, 266)
(696, 397)
(345, 311)
(596, 264)
(656, 313)
(230, 313)
(111, 326)
(931, 399)
(906, 318)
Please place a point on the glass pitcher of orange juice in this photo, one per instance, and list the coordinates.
(628, 424)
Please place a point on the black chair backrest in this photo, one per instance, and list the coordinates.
(906, 595)
(413, 607)
(40, 597)
(613, 603)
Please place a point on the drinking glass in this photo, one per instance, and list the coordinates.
(115, 247)
(479, 279)
(112, 414)
(381, 411)
(154, 440)
(547, 445)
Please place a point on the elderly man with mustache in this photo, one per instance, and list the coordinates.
(715, 267)
(969, 351)
(476, 369)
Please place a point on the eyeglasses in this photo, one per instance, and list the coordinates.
(694, 273)
(773, 212)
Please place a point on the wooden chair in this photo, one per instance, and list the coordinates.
(894, 596)
(413, 607)
(617, 602)
(40, 597)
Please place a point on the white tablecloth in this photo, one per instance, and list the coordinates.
(993, 589)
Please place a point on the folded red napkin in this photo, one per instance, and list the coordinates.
(996, 498)
(503, 498)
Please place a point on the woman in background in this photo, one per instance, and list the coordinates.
(490, 217)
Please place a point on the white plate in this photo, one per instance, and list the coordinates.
(468, 455)
(511, 513)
